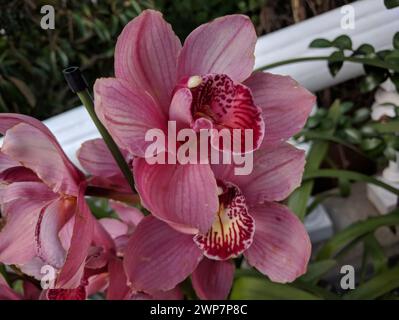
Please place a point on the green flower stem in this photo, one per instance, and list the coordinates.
(366, 61)
(87, 101)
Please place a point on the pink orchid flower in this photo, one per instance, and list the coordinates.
(104, 272)
(41, 194)
(206, 83)
(248, 221)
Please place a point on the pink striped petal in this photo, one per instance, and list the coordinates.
(96, 159)
(129, 215)
(72, 271)
(31, 191)
(281, 248)
(7, 162)
(52, 218)
(8, 120)
(33, 268)
(212, 280)
(225, 45)
(34, 150)
(114, 227)
(184, 195)
(118, 288)
(146, 56)
(18, 174)
(97, 283)
(285, 104)
(22, 203)
(103, 247)
(127, 113)
(277, 171)
(180, 109)
(158, 257)
(174, 294)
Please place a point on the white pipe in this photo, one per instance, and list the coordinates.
(374, 24)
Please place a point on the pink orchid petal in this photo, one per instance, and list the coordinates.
(97, 160)
(180, 109)
(285, 104)
(6, 162)
(158, 257)
(277, 171)
(97, 283)
(34, 150)
(8, 120)
(212, 280)
(118, 288)
(72, 271)
(225, 45)
(51, 220)
(103, 247)
(66, 233)
(22, 203)
(146, 56)
(101, 237)
(31, 191)
(127, 113)
(281, 248)
(33, 268)
(114, 227)
(184, 195)
(128, 214)
(18, 174)
(174, 294)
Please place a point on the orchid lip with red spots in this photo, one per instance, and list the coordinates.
(233, 229)
(227, 105)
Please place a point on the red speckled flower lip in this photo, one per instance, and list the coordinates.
(233, 229)
(226, 105)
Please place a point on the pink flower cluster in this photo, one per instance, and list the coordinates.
(201, 216)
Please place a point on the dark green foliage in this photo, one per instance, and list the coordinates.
(32, 59)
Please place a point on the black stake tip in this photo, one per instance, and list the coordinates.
(75, 79)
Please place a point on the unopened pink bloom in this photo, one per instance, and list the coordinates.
(248, 221)
(41, 193)
(206, 83)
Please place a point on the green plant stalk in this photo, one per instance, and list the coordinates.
(355, 232)
(87, 101)
(298, 200)
(349, 175)
(370, 62)
(376, 287)
(386, 127)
